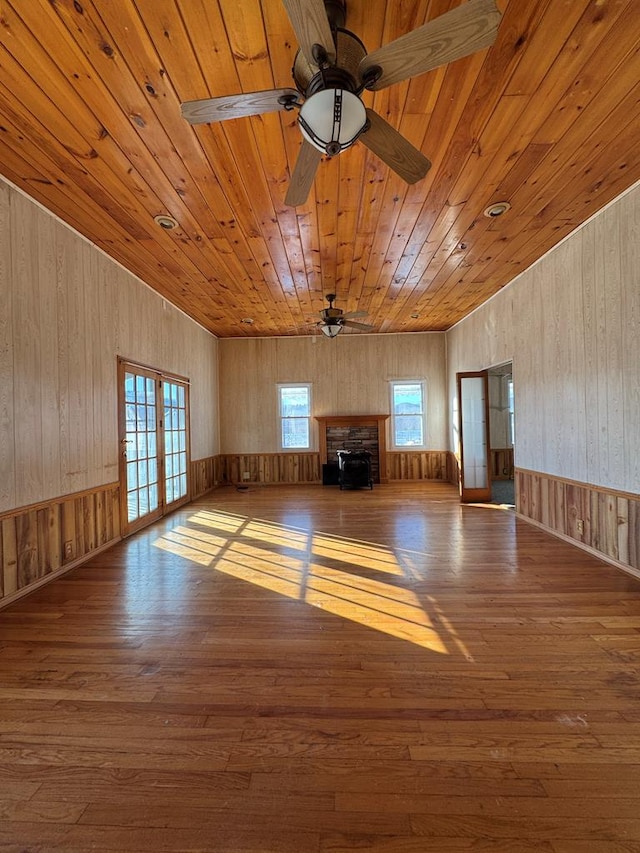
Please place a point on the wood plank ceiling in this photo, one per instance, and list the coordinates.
(547, 119)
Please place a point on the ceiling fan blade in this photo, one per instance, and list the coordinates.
(364, 327)
(311, 26)
(350, 314)
(459, 32)
(394, 150)
(237, 106)
(303, 174)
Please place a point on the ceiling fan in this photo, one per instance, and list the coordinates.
(332, 68)
(334, 319)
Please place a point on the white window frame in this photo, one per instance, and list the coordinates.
(393, 383)
(509, 390)
(282, 418)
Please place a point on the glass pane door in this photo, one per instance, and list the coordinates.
(154, 444)
(175, 440)
(140, 448)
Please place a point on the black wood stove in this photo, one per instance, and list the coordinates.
(354, 469)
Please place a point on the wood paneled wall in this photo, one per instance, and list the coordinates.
(501, 459)
(571, 326)
(205, 474)
(66, 312)
(606, 521)
(420, 465)
(271, 468)
(499, 410)
(349, 375)
(41, 540)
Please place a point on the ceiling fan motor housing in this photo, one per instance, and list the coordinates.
(331, 313)
(350, 52)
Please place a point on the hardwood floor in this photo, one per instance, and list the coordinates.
(304, 670)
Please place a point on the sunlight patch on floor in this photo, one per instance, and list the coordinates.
(219, 520)
(183, 547)
(276, 534)
(371, 617)
(340, 593)
(210, 542)
(324, 571)
(356, 553)
(266, 556)
(265, 574)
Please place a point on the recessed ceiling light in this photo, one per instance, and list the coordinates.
(497, 209)
(248, 321)
(415, 316)
(167, 223)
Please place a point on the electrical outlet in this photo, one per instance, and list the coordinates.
(246, 475)
(68, 550)
(580, 525)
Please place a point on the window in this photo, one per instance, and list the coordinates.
(294, 404)
(408, 418)
(511, 410)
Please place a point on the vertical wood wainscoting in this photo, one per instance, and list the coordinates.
(420, 465)
(38, 542)
(501, 463)
(603, 521)
(270, 468)
(291, 468)
(204, 475)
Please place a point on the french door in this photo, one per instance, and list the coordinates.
(473, 430)
(154, 444)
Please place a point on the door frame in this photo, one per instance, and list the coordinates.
(125, 365)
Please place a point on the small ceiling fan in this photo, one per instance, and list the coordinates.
(332, 68)
(334, 319)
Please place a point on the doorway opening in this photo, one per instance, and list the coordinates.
(502, 434)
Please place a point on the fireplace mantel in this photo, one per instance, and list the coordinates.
(378, 421)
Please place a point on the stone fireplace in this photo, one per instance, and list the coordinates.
(355, 432)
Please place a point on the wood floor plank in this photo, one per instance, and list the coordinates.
(528, 828)
(298, 670)
(441, 844)
(51, 811)
(274, 813)
(90, 837)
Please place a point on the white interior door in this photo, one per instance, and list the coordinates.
(473, 408)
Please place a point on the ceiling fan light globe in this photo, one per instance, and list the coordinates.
(332, 120)
(331, 329)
